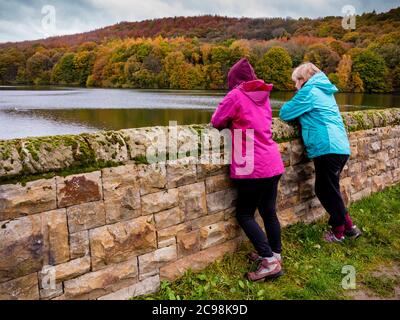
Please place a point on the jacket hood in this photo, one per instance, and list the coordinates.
(321, 81)
(241, 71)
(257, 90)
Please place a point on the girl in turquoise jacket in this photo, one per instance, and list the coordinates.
(326, 143)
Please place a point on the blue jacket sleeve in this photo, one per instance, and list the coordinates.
(300, 104)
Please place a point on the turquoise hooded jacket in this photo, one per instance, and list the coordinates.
(322, 125)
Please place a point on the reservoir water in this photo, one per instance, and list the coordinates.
(39, 111)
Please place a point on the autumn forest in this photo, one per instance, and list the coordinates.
(197, 52)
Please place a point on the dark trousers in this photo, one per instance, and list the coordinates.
(327, 188)
(261, 194)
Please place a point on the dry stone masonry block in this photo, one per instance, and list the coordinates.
(79, 244)
(181, 172)
(79, 189)
(148, 285)
(121, 241)
(196, 261)
(159, 201)
(21, 247)
(108, 146)
(150, 263)
(145, 142)
(24, 288)
(192, 200)
(121, 193)
(118, 231)
(95, 284)
(153, 177)
(18, 201)
(86, 216)
(221, 200)
(169, 217)
(55, 234)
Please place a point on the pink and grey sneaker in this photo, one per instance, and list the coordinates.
(268, 269)
(330, 237)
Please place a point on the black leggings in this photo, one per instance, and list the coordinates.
(261, 194)
(327, 188)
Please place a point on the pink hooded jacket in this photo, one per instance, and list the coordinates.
(247, 106)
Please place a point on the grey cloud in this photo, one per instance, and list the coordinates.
(21, 19)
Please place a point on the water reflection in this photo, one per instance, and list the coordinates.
(114, 119)
(32, 112)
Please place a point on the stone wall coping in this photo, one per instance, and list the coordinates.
(69, 154)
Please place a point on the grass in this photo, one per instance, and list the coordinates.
(313, 269)
(381, 286)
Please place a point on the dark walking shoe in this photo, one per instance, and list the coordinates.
(254, 256)
(330, 237)
(353, 233)
(267, 270)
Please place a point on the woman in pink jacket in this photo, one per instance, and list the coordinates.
(256, 165)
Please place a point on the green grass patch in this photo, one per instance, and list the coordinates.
(381, 286)
(313, 269)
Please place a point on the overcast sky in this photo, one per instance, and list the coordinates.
(24, 20)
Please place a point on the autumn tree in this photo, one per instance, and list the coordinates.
(38, 68)
(344, 73)
(214, 76)
(11, 60)
(396, 78)
(276, 67)
(100, 61)
(64, 72)
(226, 56)
(137, 75)
(388, 47)
(279, 33)
(339, 47)
(352, 37)
(323, 57)
(372, 70)
(83, 64)
(296, 52)
(181, 74)
(114, 75)
(357, 85)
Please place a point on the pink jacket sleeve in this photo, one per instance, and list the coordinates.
(225, 112)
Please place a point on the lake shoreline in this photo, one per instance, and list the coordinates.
(40, 111)
(220, 91)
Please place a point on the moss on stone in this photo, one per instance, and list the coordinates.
(32, 150)
(5, 149)
(383, 117)
(81, 149)
(198, 128)
(24, 178)
(141, 159)
(84, 155)
(369, 119)
(113, 138)
(359, 117)
(282, 140)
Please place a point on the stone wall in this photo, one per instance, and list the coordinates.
(120, 226)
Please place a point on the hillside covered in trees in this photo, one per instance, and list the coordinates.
(197, 52)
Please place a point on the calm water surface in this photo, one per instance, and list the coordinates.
(26, 111)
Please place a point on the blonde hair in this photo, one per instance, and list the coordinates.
(304, 71)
